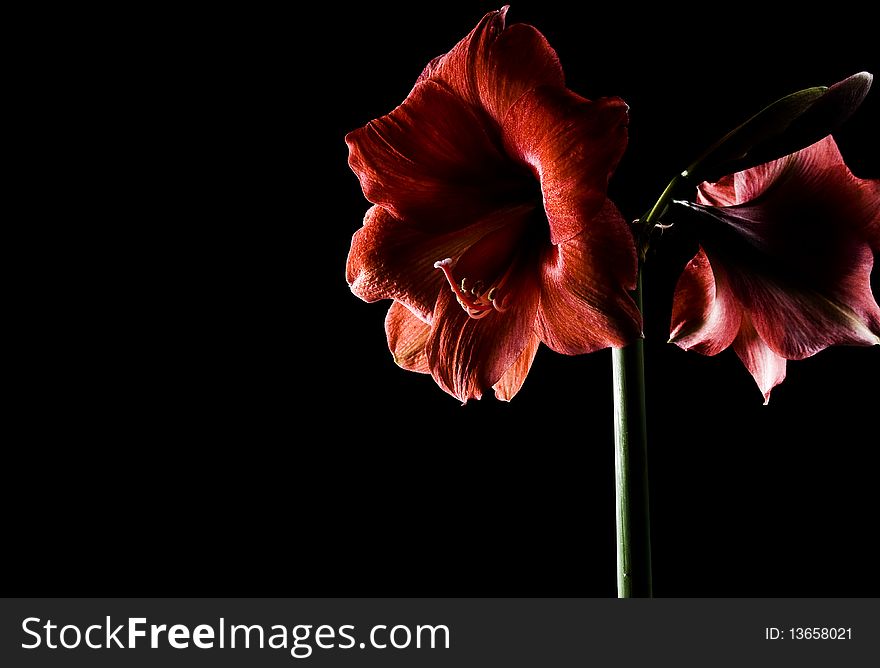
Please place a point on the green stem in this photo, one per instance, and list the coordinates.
(657, 210)
(630, 435)
(647, 224)
(631, 468)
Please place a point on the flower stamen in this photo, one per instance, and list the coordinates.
(476, 301)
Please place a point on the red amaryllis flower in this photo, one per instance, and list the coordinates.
(491, 229)
(785, 263)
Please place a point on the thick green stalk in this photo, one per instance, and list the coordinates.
(630, 434)
(631, 468)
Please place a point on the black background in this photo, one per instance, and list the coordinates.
(209, 411)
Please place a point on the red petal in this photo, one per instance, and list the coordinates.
(467, 356)
(705, 315)
(431, 163)
(816, 176)
(796, 251)
(746, 185)
(743, 186)
(406, 338)
(766, 367)
(720, 193)
(511, 382)
(494, 65)
(572, 145)
(790, 251)
(857, 200)
(490, 257)
(392, 260)
(797, 321)
(585, 305)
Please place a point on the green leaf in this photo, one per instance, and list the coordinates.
(788, 125)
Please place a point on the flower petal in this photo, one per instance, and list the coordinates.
(431, 162)
(742, 187)
(494, 65)
(705, 314)
(766, 367)
(790, 248)
(511, 382)
(467, 356)
(392, 260)
(855, 202)
(813, 181)
(585, 305)
(796, 253)
(572, 145)
(406, 338)
(720, 193)
(488, 259)
(798, 321)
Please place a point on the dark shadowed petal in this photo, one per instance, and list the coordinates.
(431, 163)
(494, 65)
(796, 251)
(790, 249)
(572, 145)
(392, 260)
(869, 193)
(585, 305)
(468, 356)
(705, 314)
(406, 338)
(766, 367)
(512, 380)
(797, 321)
(813, 181)
(857, 201)
(488, 259)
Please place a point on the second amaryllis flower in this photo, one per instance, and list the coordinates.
(784, 268)
(491, 229)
